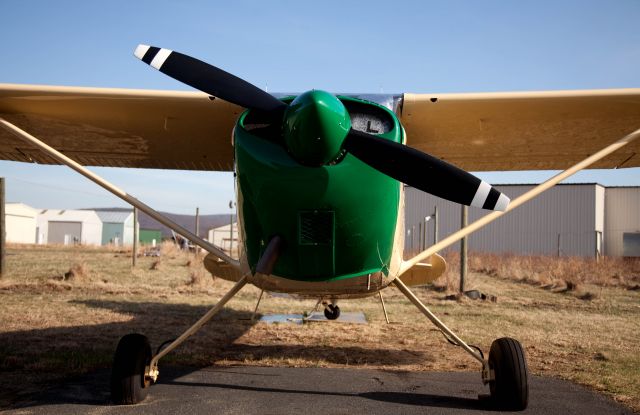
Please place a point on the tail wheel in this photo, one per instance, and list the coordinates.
(128, 384)
(332, 311)
(510, 387)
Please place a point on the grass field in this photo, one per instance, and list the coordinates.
(62, 311)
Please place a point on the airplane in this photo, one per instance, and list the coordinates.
(320, 178)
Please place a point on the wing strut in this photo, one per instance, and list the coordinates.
(119, 193)
(456, 236)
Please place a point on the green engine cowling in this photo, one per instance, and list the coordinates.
(336, 215)
(315, 126)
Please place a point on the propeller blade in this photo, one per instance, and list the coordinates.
(424, 171)
(207, 78)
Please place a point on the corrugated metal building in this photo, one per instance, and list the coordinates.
(117, 227)
(622, 221)
(69, 227)
(20, 223)
(566, 220)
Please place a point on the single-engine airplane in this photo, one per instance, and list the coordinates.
(319, 177)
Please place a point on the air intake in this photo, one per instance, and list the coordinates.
(315, 227)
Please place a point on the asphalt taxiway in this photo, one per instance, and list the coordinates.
(266, 390)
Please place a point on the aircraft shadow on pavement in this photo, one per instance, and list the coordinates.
(159, 321)
(35, 359)
(418, 399)
(93, 390)
(421, 399)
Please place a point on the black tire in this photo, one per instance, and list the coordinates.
(510, 388)
(128, 384)
(332, 312)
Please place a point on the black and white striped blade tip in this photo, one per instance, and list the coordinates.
(424, 172)
(207, 78)
(487, 197)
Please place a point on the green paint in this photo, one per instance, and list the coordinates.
(315, 125)
(112, 232)
(337, 221)
(146, 236)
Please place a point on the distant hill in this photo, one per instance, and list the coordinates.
(186, 221)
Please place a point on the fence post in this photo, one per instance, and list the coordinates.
(134, 253)
(559, 245)
(3, 233)
(435, 225)
(197, 228)
(463, 247)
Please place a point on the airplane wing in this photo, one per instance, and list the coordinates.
(120, 127)
(523, 130)
(186, 130)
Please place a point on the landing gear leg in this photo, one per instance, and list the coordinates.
(255, 310)
(506, 370)
(134, 370)
(386, 316)
(309, 315)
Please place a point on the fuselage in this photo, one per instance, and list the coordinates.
(340, 223)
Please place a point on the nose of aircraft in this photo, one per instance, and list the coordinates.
(315, 126)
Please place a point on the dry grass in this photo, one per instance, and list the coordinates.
(170, 250)
(51, 329)
(570, 271)
(78, 273)
(562, 275)
(156, 265)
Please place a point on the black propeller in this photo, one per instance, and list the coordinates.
(424, 171)
(207, 78)
(401, 162)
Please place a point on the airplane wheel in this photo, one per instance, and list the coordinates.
(332, 312)
(128, 385)
(510, 388)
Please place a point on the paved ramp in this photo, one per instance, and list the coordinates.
(260, 390)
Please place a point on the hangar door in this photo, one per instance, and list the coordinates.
(66, 233)
(631, 244)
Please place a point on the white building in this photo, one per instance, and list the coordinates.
(224, 237)
(566, 220)
(69, 227)
(20, 223)
(117, 227)
(622, 221)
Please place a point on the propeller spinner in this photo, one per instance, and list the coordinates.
(317, 130)
(315, 126)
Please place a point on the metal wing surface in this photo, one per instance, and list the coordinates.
(190, 131)
(523, 130)
(120, 127)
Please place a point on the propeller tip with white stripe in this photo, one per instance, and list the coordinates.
(140, 51)
(153, 56)
(487, 197)
(209, 79)
(502, 204)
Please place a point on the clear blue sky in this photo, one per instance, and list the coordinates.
(288, 46)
